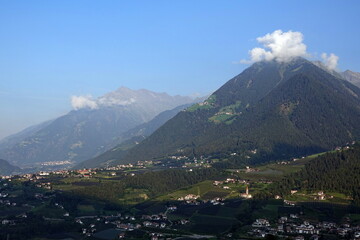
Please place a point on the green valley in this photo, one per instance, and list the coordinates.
(195, 200)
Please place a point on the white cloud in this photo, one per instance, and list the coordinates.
(280, 46)
(284, 46)
(330, 61)
(113, 100)
(79, 102)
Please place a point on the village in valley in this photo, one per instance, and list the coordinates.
(45, 196)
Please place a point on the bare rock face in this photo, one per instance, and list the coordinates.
(353, 77)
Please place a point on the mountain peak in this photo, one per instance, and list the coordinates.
(283, 109)
(353, 77)
(351, 73)
(124, 96)
(93, 127)
(258, 80)
(294, 60)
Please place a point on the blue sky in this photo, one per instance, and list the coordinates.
(52, 50)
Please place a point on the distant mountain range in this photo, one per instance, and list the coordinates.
(11, 140)
(131, 138)
(280, 110)
(90, 130)
(277, 110)
(350, 76)
(353, 77)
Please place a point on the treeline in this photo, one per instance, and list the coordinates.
(155, 183)
(338, 171)
(35, 225)
(108, 191)
(169, 180)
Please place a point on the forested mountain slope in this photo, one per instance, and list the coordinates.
(337, 171)
(280, 109)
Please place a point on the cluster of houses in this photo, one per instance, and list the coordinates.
(4, 197)
(46, 185)
(179, 158)
(7, 201)
(316, 196)
(155, 221)
(57, 163)
(194, 162)
(245, 195)
(84, 173)
(228, 180)
(91, 224)
(291, 226)
(138, 165)
(192, 199)
(346, 147)
(188, 197)
(64, 173)
(322, 196)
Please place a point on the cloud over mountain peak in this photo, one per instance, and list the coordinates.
(284, 46)
(126, 97)
(280, 46)
(78, 102)
(330, 61)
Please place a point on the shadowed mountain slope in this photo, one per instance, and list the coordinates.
(280, 109)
